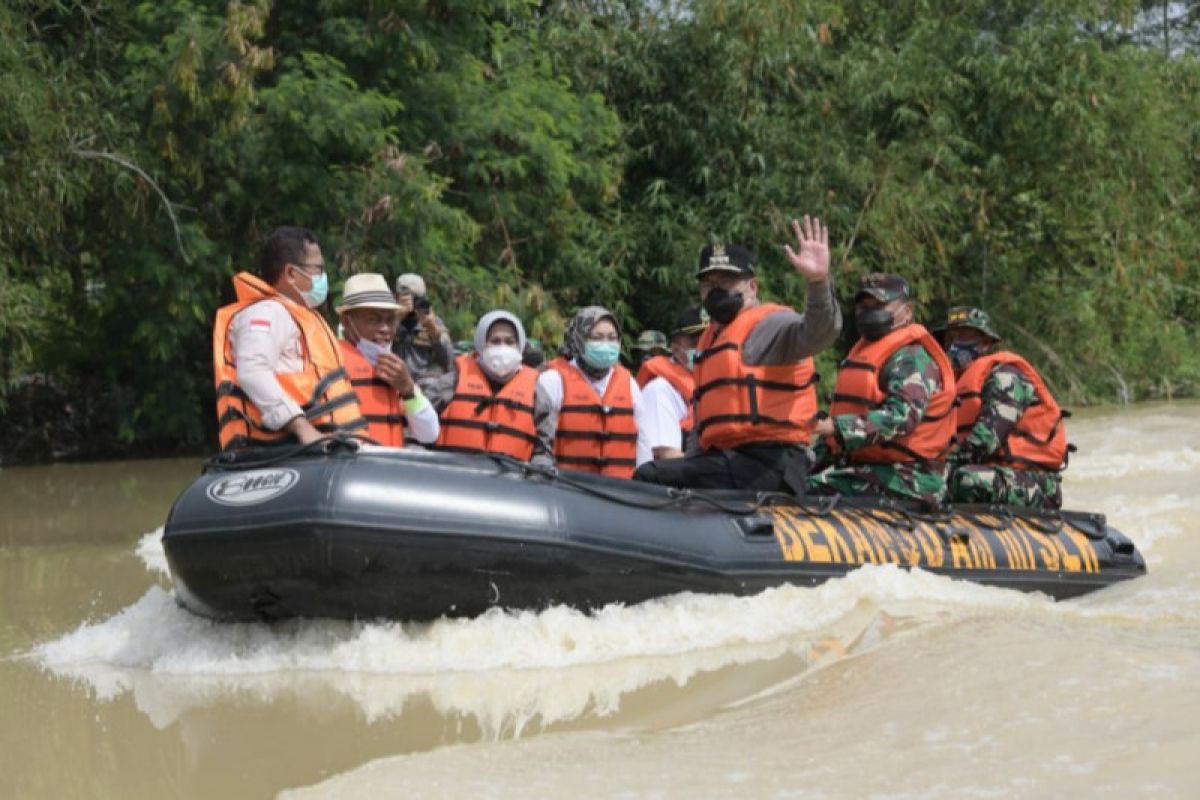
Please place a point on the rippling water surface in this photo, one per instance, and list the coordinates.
(886, 684)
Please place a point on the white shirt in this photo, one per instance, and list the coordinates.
(665, 413)
(550, 382)
(266, 341)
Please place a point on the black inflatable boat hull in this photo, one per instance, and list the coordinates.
(413, 535)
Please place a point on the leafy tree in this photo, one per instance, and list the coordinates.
(1038, 157)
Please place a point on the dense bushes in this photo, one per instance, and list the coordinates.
(1036, 157)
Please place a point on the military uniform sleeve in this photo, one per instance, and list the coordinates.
(1004, 397)
(787, 337)
(910, 378)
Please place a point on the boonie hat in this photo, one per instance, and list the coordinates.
(884, 287)
(411, 283)
(726, 258)
(652, 340)
(688, 322)
(367, 290)
(971, 317)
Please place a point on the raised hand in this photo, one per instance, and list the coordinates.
(811, 258)
(392, 369)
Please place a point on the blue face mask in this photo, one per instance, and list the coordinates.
(961, 355)
(371, 351)
(601, 355)
(319, 291)
(691, 358)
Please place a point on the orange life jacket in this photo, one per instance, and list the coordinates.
(380, 402)
(675, 374)
(478, 420)
(857, 391)
(738, 404)
(320, 388)
(1039, 439)
(596, 434)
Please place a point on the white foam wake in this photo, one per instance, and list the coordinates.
(150, 551)
(503, 668)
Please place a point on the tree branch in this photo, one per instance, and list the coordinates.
(866, 206)
(129, 165)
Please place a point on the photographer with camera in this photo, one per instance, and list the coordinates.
(421, 339)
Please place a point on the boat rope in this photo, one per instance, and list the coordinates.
(253, 458)
(884, 510)
(674, 496)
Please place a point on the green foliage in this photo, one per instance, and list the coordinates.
(995, 153)
(1039, 158)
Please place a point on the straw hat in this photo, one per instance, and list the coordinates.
(367, 290)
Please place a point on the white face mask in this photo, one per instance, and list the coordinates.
(500, 361)
(371, 351)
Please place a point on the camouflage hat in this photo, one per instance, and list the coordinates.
(971, 317)
(884, 287)
(652, 340)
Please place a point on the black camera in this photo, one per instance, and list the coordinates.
(422, 305)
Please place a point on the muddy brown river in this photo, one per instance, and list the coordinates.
(886, 684)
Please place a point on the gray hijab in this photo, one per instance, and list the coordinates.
(578, 332)
(492, 317)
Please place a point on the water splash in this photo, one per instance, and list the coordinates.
(504, 669)
(150, 551)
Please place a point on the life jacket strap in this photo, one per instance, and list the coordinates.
(607, 411)
(490, 427)
(600, 436)
(374, 381)
(485, 400)
(752, 382)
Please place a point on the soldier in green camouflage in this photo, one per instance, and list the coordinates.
(1009, 390)
(909, 379)
(649, 344)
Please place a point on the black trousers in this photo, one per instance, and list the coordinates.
(756, 467)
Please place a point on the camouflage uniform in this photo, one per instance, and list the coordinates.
(911, 378)
(1005, 395)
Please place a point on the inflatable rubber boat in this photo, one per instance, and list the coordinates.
(364, 533)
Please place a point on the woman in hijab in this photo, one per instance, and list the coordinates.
(592, 406)
(492, 407)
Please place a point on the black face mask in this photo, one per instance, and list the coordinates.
(723, 305)
(874, 323)
(962, 354)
